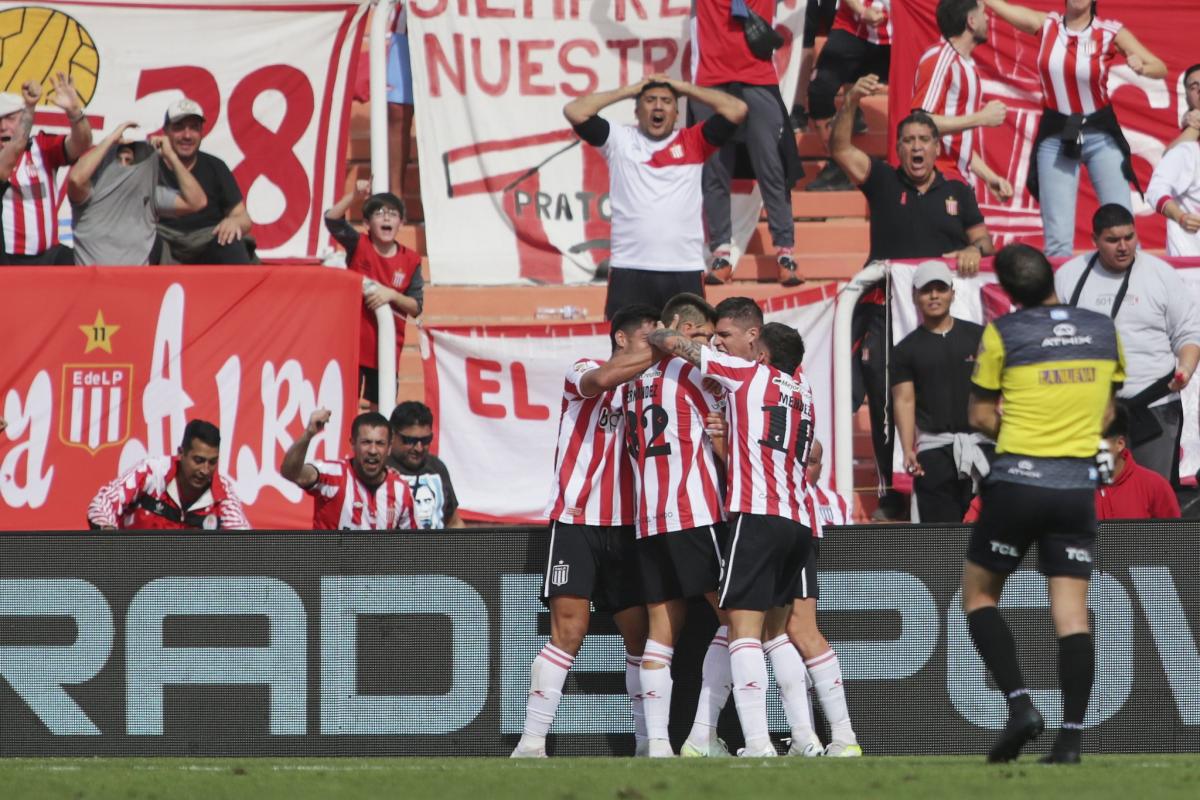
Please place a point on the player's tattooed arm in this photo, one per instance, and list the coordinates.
(675, 343)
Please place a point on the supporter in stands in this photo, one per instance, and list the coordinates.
(725, 63)
(859, 44)
(173, 492)
(360, 492)
(1159, 326)
(915, 213)
(399, 101)
(116, 206)
(1078, 124)
(947, 88)
(1174, 189)
(1054, 369)
(591, 554)
(818, 19)
(654, 172)
(427, 476)
(28, 166)
(218, 233)
(1191, 120)
(395, 270)
(931, 381)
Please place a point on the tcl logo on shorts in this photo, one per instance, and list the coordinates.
(1078, 554)
(1004, 549)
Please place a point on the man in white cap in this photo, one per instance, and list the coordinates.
(28, 164)
(215, 235)
(116, 205)
(931, 383)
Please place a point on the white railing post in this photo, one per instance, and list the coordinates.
(843, 416)
(386, 352)
(377, 52)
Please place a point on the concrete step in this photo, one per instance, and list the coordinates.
(828, 205)
(818, 238)
(827, 266)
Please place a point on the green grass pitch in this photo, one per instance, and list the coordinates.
(1126, 777)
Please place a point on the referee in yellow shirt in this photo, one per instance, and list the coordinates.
(1056, 368)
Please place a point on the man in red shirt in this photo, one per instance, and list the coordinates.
(172, 492)
(394, 268)
(359, 492)
(28, 164)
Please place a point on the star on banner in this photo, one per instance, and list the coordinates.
(99, 334)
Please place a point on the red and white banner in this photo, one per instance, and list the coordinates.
(497, 157)
(271, 76)
(1149, 109)
(496, 395)
(980, 299)
(104, 367)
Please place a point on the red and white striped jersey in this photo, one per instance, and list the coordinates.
(829, 508)
(674, 472)
(852, 23)
(147, 498)
(947, 85)
(593, 484)
(1073, 65)
(342, 502)
(770, 431)
(29, 209)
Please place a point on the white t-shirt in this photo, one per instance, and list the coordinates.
(1177, 177)
(657, 221)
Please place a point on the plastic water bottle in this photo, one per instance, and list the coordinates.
(564, 312)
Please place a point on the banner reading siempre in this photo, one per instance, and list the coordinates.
(270, 76)
(104, 366)
(1149, 109)
(496, 395)
(509, 191)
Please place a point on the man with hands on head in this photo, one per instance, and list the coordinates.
(655, 185)
(28, 163)
(359, 492)
(116, 207)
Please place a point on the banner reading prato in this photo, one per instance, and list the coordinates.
(104, 366)
(499, 162)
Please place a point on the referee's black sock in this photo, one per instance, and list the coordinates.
(1076, 672)
(996, 647)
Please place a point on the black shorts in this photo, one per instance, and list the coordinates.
(1061, 521)
(818, 19)
(763, 562)
(844, 59)
(598, 563)
(649, 286)
(681, 564)
(808, 588)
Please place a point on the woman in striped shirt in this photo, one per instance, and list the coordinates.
(1078, 123)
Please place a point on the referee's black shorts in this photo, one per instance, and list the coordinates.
(680, 564)
(598, 563)
(808, 588)
(763, 562)
(1014, 516)
(650, 286)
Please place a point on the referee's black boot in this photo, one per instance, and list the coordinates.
(1024, 725)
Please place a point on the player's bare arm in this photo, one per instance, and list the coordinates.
(675, 343)
(623, 366)
(983, 414)
(293, 467)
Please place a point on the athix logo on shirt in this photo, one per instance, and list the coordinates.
(1024, 469)
(1065, 334)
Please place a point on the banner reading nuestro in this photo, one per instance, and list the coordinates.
(980, 299)
(271, 77)
(103, 367)
(1149, 109)
(496, 395)
(497, 157)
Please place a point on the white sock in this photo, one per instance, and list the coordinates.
(715, 685)
(547, 676)
(749, 670)
(633, 686)
(792, 680)
(826, 675)
(656, 688)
